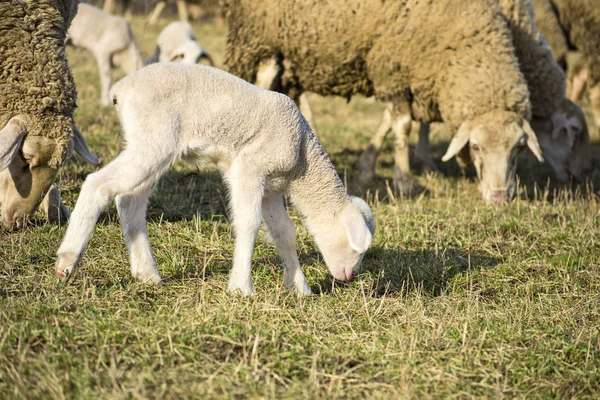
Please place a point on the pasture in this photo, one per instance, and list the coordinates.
(454, 299)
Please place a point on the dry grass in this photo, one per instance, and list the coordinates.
(455, 299)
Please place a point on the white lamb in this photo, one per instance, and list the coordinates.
(177, 42)
(264, 148)
(109, 38)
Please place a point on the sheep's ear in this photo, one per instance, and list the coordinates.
(11, 137)
(459, 141)
(358, 233)
(532, 141)
(81, 147)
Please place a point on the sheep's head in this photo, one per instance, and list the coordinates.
(28, 168)
(347, 240)
(565, 140)
(492, 143)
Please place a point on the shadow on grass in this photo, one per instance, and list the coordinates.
(402, 271)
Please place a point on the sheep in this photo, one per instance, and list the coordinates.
(561, 123)
(37, 100)
(110, 6)
(464, 73)
(580, 25)
(177, 42)
(111, 41)
(259, 141)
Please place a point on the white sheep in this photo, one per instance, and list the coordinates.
(110, 39)
(259, 141)
(177, 42)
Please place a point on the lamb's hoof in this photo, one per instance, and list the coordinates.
(152, 278)
(245, 289)
(303, 289)
(66, 264)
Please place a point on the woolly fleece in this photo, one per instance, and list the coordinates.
(35, 79)
(386, 49)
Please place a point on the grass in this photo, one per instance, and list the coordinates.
(455, 299)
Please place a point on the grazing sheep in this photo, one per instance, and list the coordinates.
(177, 42)
(259, 141)
(111, 41)
(464, 73)
(577, 23)
(37, 100)
(560, 121)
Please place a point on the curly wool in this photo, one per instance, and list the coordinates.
(581, 19)
(545, 78)
(547, 21)
(35, 79)
(386, 49)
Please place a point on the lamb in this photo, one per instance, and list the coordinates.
(580, 24)
(37, 100)
(177, 42)
(111, 41)
(465, 75)
(259, 141)
(556, 119)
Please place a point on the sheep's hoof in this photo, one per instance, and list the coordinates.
(406, 185)
(151, 279)
(303, 289)
(66, 264)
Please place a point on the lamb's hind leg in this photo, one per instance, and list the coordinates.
(120, 176)
(246, 192)
(132, 212)
(283, 232)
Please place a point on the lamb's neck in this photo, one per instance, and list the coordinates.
(317, 190)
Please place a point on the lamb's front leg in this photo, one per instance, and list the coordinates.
(246, 191)
(283, 232)
(132, 212)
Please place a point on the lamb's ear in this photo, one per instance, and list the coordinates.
(81, 147)
(358, 233)
(532, 141)
(154, 57)
(459, 141)
(11, 137)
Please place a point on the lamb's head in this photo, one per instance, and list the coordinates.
(29, 165)
(565, 140)
(347, 239)
(178, 43)
(492, 142)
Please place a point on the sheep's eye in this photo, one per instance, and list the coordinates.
(522, 141)
(28, 158)
(475, 147)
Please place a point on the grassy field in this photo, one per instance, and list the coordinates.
(455, 299)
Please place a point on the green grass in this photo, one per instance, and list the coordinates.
(455, 299)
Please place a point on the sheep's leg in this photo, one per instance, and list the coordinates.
(578, 83)
(306, 110)
(53, 207)
(182, 10)
(368, 159)
(160, 6)
(423, 153)
(595, 102)
(268, 74)
(401, 125)
(132, 212)
(127, 13)
(105, 76)
(109, 6)
(283, 233)
(120, 176)
(246, 192)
